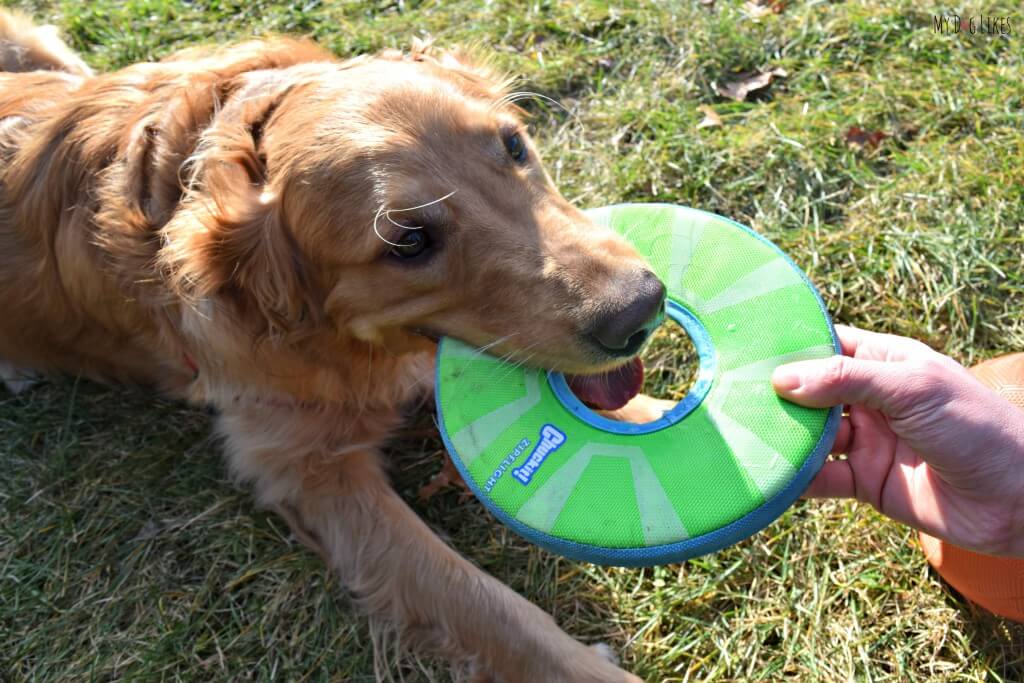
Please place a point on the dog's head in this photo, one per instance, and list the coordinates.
(401, 197)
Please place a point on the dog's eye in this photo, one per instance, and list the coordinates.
(516, 147)
(413, 244)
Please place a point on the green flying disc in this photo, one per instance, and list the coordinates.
(719, 466)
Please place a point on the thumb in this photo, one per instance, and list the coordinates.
(842, 379)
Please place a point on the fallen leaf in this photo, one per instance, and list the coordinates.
(862, 139)
(707, 3)
(907, 131)
(448, 477)
(711, 118)
(748, 82)
(756, 9)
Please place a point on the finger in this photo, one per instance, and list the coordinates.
(835, 480)
(869, 345)
(843, 437)
(840, 379)
(870, 455)
(850, 338)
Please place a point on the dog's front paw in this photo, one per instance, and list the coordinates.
(590, 664)
(608, 654)
(576, 664)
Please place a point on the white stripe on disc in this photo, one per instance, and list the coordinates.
(772, 276)
(658, 518)
(474, 438)
(762, 369)
(686, 234)
(547, 502)
(763, 464)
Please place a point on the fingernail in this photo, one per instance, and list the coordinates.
(786, 378)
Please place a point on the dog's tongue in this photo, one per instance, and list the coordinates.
(609, 390)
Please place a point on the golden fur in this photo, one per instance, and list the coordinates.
(205, 225)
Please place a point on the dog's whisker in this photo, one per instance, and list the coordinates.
(513, 97)
(510, 366)
(376, 229)
(425, 204)
(516, 366)
(386, 212)
(500, 340)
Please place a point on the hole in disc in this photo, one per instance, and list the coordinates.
(671, 363)
(671, 368)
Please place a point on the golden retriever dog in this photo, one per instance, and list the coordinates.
(281, 235)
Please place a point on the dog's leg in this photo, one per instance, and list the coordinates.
(339, 500)
(400, 570)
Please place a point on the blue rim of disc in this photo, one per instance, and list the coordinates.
(705, 378)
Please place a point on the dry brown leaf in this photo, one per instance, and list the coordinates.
(756, 9)
(862, 139)
(448, 477)
(747, 83)
(711, 118)
(907, 131)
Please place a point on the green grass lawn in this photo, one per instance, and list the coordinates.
(125, 552)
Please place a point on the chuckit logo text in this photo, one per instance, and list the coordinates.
(551, 439)
(505, 464)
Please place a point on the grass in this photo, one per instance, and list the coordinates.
(124, 553)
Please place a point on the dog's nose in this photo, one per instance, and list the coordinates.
(622, 331)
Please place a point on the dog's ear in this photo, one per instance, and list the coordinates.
(235, 241)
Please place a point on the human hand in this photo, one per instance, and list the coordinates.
(926, 443)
